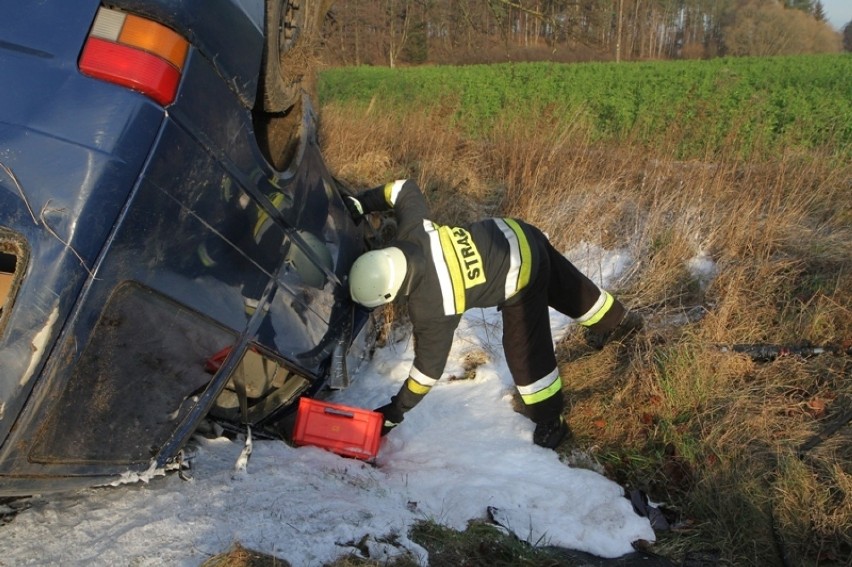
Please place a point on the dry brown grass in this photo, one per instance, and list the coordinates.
(239, 556)
(726, 441)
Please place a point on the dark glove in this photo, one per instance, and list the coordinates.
(356, 210)
(393, 416)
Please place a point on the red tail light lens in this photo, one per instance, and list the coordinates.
(136, 53)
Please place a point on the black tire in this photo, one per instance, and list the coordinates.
(282, 29)
(288, 74)
(292, 28)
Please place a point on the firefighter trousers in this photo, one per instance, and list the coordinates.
(527, 340)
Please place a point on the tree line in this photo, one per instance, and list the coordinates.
(406, 32)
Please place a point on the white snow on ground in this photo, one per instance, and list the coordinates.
(702, 268)
(460, 451)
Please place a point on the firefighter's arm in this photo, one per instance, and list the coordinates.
(402, 196)
(431, 349)
(414, 389)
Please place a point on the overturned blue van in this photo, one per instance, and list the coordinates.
(164, 255)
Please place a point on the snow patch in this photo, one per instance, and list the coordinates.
(603, 267)
(703, 268)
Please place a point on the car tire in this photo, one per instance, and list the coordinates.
(288, 74)
(292, 29)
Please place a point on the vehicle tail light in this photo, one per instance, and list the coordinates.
(136, 53)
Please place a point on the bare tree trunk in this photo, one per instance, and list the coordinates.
(357, 37)
(618, 32)
(398, 37)
(391, 49)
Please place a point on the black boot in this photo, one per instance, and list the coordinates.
(630, 324)
(550, 434)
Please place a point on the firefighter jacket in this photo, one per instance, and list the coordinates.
(450, 269)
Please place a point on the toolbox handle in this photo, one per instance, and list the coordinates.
(341, 413)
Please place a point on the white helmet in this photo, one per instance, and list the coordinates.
(376, 276)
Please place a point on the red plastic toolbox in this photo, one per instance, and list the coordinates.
(347, 431)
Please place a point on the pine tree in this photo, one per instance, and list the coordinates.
(819, 12)
(847, 37)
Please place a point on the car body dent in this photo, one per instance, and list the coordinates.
(39, 346)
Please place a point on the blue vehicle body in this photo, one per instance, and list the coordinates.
(137, 241)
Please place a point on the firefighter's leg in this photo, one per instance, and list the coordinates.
(529, 352)
(569, 291)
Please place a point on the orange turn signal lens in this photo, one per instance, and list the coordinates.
(154, 37)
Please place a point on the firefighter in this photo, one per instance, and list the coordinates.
(502, 262)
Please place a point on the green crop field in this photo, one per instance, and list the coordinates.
(764, 104)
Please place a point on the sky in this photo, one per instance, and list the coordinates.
(460, 451)
(838, 12)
